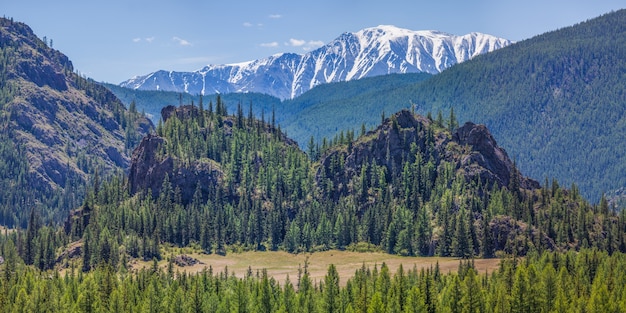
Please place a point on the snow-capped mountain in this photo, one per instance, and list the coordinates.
(368, 52)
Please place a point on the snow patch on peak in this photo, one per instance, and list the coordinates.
(240, 64)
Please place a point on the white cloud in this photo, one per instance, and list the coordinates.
(249, 25)
(313, 44)
(275, 16)
(148, 39)
(296, 42)
(305, 45)
(181, 41)
(273, 44)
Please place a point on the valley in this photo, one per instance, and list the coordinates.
(407, 192)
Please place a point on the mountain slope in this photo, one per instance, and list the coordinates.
(369, 52)
(61, 127)
(556, 101)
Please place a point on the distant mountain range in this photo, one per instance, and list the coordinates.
(369, 52)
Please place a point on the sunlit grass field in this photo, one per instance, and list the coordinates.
(280, 264)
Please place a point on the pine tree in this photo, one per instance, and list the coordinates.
(331, 290)
(461, 244)
(87, 253)
(452, 122)
(520, 292)
(472, 300)
(31, 235)
(311, 149)
(439, 119)
(376, 305)
(415, 301)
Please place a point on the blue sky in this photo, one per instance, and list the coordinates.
(115, 40)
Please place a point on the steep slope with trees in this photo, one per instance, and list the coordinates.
(59, 130)
(563, 90)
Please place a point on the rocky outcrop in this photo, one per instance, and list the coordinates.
(471, 148)
(512, 236)
(183, 260)
(386, 146)
(150, 167)
(485, 159)
(77, 220)
(182, 112)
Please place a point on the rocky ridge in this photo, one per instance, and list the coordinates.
(149, 170)
(470, 148)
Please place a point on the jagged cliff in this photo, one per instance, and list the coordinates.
(151, 164)
(150, 168)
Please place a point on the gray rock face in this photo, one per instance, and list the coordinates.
(486, 160)
(149, 169)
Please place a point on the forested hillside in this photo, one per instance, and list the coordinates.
(412, 186)
(151, 102)
(58, 129)
(217, 180)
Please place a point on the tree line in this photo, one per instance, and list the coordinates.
(584, 281)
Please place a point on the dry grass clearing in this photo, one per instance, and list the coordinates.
(280, 264)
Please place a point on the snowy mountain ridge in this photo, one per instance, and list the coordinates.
(369, 52)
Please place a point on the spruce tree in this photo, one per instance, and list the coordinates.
(331, 290)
